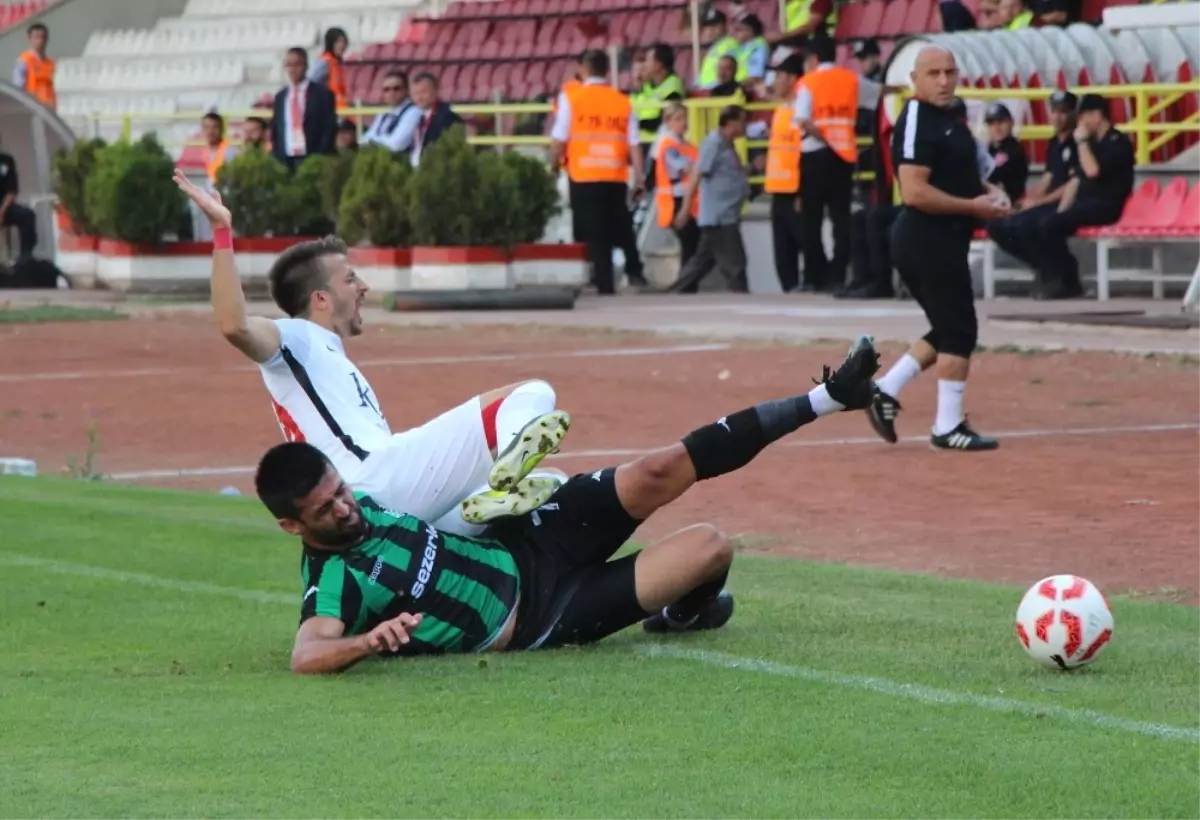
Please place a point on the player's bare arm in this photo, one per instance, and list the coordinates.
(256, 336)
(320, 647)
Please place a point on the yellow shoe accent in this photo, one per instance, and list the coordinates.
(528, 494)
(537, 439)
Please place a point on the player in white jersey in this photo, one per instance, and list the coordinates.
(493, 440)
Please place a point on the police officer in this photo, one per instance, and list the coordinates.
(1015, 234)
(934, 154)
(1096, 197)
(1010, 168)
(12, 213)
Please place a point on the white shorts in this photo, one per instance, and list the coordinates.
(428, 471)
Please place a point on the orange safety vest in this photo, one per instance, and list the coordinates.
(598, 145)
(337, 79)
(834, 108)
(665, 191)
(39, 77)
(216, 158)
(783, 153)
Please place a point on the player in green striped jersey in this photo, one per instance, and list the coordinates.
(380, 582)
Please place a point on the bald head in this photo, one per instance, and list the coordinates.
(935, 75)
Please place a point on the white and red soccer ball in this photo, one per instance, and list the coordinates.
(1064, 622)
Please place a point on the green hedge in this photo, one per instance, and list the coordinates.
(458, 196)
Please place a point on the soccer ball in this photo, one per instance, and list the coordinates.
(1064, 622)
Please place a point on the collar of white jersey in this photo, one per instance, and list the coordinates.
(329, 336)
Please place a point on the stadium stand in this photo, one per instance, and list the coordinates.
(12, 14)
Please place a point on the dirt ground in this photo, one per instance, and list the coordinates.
(1098, 472)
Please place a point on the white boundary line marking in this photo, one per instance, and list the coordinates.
(201, 472)
(882, 686)
(923, 694)
(596, 353)
(120, 576)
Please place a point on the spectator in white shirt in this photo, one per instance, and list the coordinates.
(396, 128)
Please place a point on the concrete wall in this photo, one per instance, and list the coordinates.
(71, 21)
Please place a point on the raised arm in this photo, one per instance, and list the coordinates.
(321, 649)
(256, 336)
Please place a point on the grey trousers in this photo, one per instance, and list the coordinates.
(721, 248)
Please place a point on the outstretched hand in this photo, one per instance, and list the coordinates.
(210, 203)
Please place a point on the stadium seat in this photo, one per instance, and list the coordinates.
(894, 16)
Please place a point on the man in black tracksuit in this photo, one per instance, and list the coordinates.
(12, 213)
(936, 161)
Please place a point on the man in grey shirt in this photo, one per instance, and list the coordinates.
(723, 187)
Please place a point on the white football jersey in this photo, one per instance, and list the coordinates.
(319, 396)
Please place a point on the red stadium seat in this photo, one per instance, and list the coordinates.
(918, 19)
(546, 44)
(894, 14)
(1137, 209)
(1156, 217)
(1187, 221)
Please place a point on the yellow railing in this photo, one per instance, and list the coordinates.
(1149, 101)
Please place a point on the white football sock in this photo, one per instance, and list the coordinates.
(821, 403)
(902, 372)
(528, 402)
(949, 408)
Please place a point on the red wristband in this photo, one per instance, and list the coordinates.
(222, 239)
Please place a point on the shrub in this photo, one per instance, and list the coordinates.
(71, 170)
(304, 208)
(460, 196)
(335, 174)
(375, 202)
(538, 202)
(253, 186)
(130, 195)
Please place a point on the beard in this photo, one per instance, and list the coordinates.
(341, 535)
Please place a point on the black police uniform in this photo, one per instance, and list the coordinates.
(1099, 201)
(1012, 168)
(1017, 234)
(16, 215)
(930, 250)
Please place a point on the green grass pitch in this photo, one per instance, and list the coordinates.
(145, 645)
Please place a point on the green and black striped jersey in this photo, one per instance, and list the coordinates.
(465, 588)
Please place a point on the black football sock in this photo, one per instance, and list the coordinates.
(687, 608)
(733, 441)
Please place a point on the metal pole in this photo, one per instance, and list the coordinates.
(695, 41)
(783, 15)
(613, 54)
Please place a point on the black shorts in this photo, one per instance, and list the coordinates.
(932, 256)
(570, 592)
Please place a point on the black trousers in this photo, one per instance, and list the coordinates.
(25, 221)
(1049, 248)
(872, 247)
(606, 222)
(721, 248)
(1016, 235)
(931, 255)
(826, 184)
(787, 234)
(688, 236)
(621, 234)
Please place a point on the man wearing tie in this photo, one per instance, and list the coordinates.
(396, 129)
(436, 116)
(305, 115)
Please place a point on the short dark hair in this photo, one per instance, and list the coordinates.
(731, 113)
(303, 52)
(425, 77)
(397, 74)
(37, 27)
(215, 117)
(823, 48)
(288, 472)
(266, 126)
(595, 63)
(664, 54)
(298, 273)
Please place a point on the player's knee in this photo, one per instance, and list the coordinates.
(931, 339)
(537, 387)
(716, 548)
(960, 341)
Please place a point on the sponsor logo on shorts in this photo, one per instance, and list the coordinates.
(597, 475)
(427, 558)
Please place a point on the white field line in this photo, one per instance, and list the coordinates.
(881, 686)
(630, 452)
(159, 372)
(923, 694)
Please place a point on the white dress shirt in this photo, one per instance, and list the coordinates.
(561, 131)
(395, 129)
(290, 129)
